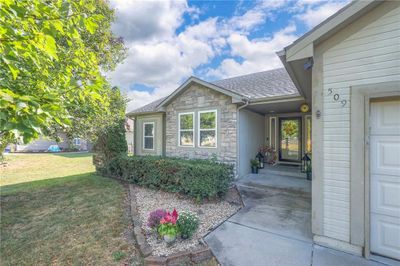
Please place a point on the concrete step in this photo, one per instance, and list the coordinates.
(276, 197)
(291, 184)
(283, 171)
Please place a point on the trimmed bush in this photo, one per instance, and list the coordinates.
(197, 178)
(110, 143)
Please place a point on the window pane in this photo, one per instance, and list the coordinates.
(207, 120)
(149, 130)
(186, 121)
(148, 142)
(186, 138)
(207, 138)
(290, 138)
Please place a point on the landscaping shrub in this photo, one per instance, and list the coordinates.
(110, 143)
(187, 224)
(197, 178)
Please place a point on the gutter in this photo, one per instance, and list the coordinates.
(246, 102)
(143, 113)
(278, 99)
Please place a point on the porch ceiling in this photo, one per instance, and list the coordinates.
(277, 107)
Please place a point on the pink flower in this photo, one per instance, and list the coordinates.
(163, 221)
(175, 214)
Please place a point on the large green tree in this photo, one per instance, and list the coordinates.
(89, 121)
(52, 56)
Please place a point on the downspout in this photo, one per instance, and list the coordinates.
(246, 103)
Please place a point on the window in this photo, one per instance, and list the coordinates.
(76, 141)
(208, 129)
(186, 130)
(148, 136)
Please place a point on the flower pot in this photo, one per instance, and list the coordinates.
(254, 169)
(169, 239)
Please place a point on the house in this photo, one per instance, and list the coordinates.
(343, 78)
(43, 143)
(204, 119)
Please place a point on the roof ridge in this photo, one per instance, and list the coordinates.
(250, 74)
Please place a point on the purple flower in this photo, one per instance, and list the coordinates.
(155, 217)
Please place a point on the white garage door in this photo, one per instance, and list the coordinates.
(385, 178)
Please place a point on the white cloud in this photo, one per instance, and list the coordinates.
(160, 58)
(316, 14)
(165, 63)
(147, 20)
(248, 20)
(257, 54)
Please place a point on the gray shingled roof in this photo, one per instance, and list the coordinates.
(148, 108)
(271, 83)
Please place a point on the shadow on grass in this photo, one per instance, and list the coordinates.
(50, 182)
(71, 220)
(74, 154)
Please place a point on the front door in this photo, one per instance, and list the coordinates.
(385, 178)
(290, 139)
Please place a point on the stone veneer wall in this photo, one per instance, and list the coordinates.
(198, 98)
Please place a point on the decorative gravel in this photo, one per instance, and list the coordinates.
(210, 214)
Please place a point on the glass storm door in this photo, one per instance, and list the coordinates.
(290, 139)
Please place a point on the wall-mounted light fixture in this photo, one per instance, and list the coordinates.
(309, 64)
(318, 114)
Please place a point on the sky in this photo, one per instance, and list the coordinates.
(169, 41)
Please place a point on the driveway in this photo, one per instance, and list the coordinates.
(274, 227)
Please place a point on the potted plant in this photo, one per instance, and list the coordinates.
(168, 228)
(254, 166)
(187, 224)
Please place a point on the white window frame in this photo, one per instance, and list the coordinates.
(272, 143)
(199, 129)
(77, 141)
(144, 136)
(186, 130)
(305, 132)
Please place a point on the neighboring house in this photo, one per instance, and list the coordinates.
(347, 69)
(129, 134)
(43, 143)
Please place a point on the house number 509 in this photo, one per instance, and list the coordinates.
(336, 97)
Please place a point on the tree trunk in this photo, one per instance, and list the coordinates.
(5, 139)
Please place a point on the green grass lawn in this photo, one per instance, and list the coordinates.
(23, 168)
(56, 211)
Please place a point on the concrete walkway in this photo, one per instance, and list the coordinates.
(274, 227)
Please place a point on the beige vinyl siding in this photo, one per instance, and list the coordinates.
(158, 140)
(370, 55)
(252, 137)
